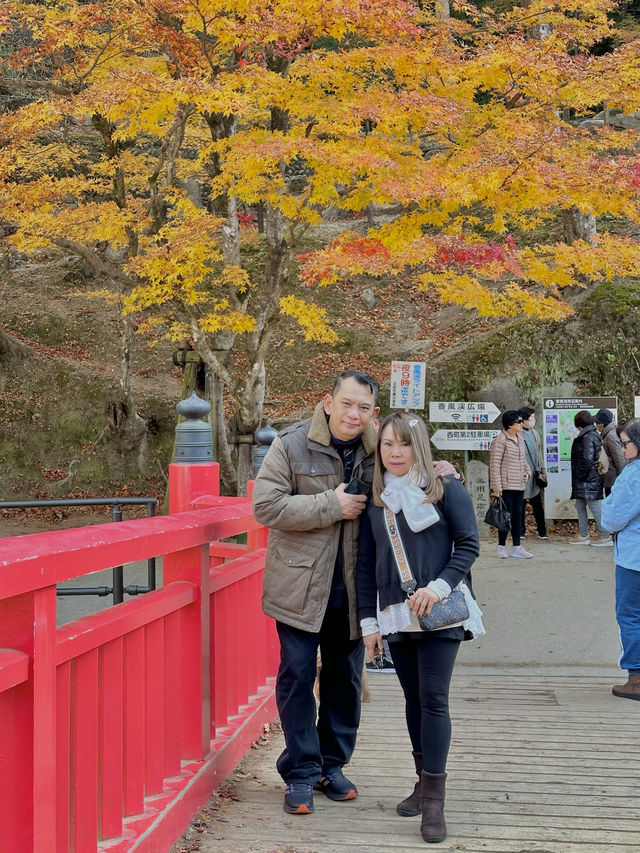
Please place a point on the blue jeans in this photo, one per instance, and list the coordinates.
(424, 667)
(315, 748)
(628, 616)
(596, 512)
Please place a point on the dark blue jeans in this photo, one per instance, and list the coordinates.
(316, 747)
(424, 667)
(628, 616)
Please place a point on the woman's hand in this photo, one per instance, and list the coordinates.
(423, 600)
(373, 645)
(495, 494)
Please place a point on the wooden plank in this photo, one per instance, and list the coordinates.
(527, 774)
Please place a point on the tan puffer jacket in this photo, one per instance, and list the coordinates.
(294, 496)
(507, 465)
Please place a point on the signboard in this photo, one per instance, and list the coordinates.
(636, 407)
(464, 439)
(477, 482)
(466, 413)
(407, 384)
(558, 435)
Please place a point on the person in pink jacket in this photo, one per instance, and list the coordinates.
(508, 475)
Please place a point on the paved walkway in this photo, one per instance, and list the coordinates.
(543, 757)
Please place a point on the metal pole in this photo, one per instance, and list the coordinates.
(118, 585)
(151, 562)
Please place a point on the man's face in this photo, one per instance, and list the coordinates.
(599, 427)
(350, 409)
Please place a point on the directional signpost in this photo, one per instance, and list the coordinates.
(451, 412)
(464, 439)
(466, 413)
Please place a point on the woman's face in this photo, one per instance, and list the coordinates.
(629, 448)
(516, 427)
(397, 456)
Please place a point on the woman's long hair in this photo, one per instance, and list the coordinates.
(412, 430)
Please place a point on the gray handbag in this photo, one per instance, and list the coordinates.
(451, 610)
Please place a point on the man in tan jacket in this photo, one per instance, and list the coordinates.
(309, 582)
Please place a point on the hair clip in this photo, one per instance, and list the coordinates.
(413, 422)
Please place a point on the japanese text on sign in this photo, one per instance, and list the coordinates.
(407, 384)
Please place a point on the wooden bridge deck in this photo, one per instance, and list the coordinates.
(545, 763)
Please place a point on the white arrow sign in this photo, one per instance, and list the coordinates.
(464, 439)
(463, 413)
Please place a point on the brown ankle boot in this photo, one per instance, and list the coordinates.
(433, 827)
(630, 690)
(410, 806)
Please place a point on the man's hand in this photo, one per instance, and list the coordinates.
(351, 505)
(442, 468)
(373, 646)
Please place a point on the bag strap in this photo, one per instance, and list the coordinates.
(407, 580)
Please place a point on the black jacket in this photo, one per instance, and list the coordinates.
(429, 552)
(586, 483)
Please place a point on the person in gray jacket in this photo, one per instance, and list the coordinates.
(309, 586)
(533, 455)
(603, 420)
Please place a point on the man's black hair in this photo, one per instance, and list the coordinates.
(360, 377)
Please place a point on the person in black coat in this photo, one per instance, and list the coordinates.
(586, 482)
(428, 517)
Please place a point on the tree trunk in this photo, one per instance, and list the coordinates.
(127, 445)
(578, 226)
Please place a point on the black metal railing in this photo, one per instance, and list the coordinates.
(118, 589)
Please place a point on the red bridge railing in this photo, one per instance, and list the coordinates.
(115, 728)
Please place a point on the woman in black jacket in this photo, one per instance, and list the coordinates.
(586, 482)
(423, 517)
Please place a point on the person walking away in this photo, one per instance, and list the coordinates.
(309, 583)
(508, 476)
(586, 482)
(611, 442)
(433, 522)
(621, 516)
(533, 454)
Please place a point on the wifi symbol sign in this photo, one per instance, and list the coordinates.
(456, 417)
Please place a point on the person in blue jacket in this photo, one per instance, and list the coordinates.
(437, 533)
(621, 516)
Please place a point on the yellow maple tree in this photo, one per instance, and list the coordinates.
(154, 133)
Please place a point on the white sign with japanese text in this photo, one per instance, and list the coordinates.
(407, 384)
(559, 432)
(464, 439)
(452, 412)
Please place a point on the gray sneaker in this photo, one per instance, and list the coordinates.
(603, 543)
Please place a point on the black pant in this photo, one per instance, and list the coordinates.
(424, 667)
(538, 514)
(316, 748)
(513, 501)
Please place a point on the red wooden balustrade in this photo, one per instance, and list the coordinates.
(116, 728)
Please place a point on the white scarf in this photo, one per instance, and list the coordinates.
(405, 493)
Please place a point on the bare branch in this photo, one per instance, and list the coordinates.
(96, 262)
(47, 85)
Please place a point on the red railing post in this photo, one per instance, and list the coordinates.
(187, 482)
(28, 804)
